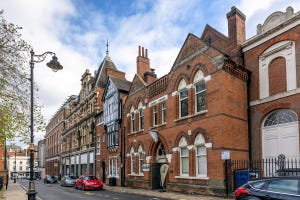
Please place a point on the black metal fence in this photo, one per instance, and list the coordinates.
(239, 172)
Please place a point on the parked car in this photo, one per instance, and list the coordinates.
(50, 179)
(88, 182)
(286, 188)
(68, 180)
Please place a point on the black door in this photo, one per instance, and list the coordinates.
(103, 172)
(156, 176)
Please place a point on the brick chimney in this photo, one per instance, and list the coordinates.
(142, 62)
(236, 26)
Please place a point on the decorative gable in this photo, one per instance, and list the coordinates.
(137, 84)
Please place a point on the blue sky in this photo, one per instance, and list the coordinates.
(77, 31)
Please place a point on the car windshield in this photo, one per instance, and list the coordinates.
(90, 178)
(71, 177)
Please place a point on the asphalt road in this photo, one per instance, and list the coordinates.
(57, 192)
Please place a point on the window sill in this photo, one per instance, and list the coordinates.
(156, 126)
(189, 116)
(111, 176)
(135, 175)
(193, 177)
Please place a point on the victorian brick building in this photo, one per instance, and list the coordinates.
(187, 118)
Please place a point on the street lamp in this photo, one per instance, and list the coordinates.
(55, 66)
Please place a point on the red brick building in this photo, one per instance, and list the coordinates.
(273, 57)
(187, 118)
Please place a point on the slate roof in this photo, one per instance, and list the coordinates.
(121, 84)
(101, 77)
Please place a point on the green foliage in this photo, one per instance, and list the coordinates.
(15, 85)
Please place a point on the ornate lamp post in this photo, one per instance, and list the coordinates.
(55, 66)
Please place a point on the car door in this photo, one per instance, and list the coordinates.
(283, 189)
(79, 181)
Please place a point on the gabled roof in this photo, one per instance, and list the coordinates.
(101, 76)
(137, 83)
(121, 85)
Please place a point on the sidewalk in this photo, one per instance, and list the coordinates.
(165, 195)
(16, 192)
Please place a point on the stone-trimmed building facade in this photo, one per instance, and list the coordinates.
(273, 57)
(187, 118)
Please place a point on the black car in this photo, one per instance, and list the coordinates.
(286, 188)
(50, 179)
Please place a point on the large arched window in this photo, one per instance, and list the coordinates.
(201, 156)
(184, 157)
(183, 99)
(141, 116)
(281, 116)
(132, 114)
(141, 159)
(132, 161)
(200, 92)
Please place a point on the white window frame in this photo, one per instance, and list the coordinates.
(182, 88)
(199, 79)
(132, 119)
(141, 117)
(183, 145)
(141, 160)
(163, 112)
(200, 142)
(132, 161)
(155, 117)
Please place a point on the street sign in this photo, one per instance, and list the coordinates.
(225, 155)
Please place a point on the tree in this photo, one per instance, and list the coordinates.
(15, 85)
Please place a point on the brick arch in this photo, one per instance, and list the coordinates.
(154, 145)
(132, 144)
(179, 78)
(201, 131)
(178, 137)
(199, 66)
(140, 143)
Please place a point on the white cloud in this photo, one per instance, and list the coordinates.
(77, 31)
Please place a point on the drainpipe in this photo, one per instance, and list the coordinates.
(249, 116)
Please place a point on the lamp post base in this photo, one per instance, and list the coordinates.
(31, 191)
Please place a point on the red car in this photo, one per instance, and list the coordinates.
(88, 182)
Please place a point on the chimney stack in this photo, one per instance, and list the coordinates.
(236, 26)
(142, 62)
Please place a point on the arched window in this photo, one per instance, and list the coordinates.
(200, 92)
(132, 160)
(183, 99)
(201, 156)
(141, 116)
(184, 157)
(132, 114)
(141, 159)
(281, 116)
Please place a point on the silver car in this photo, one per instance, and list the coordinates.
(68, 180)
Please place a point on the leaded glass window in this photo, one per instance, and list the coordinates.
(183, 107)
(281, 116)
(141, 116)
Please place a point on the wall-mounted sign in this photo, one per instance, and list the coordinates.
(225, 155)
(146, 167)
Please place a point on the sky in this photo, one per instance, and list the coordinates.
(78, 30)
